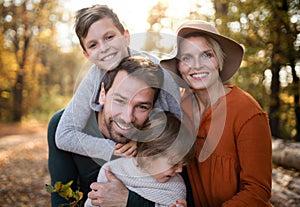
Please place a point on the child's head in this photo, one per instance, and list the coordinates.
(165, 146)
(102, 36)
(87, 16)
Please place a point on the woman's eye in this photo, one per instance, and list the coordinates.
(207, 55)
(186, 59)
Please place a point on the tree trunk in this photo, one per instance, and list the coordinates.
(296, 91)
(286, 154)
(275, 100)
(18, 98)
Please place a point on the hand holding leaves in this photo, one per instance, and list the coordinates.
(66, 192)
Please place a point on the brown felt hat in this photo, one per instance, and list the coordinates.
(233, 51)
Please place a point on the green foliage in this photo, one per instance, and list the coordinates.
(66, 192)
(32, 65)
(268, 32)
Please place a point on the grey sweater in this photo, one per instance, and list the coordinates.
(162, 194)
(78, 130)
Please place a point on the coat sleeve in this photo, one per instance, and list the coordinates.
(254, 145)
(71, 134)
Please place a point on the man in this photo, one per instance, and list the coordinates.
(104, 42)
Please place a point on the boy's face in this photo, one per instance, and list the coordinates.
(127, 106)
(104, 44)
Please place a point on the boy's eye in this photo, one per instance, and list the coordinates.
(109, 37)
(92, 45)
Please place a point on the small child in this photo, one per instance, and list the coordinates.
(164, 146)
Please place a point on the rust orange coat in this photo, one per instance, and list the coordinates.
(234, 167)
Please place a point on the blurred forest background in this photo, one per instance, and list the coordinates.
(38, 75)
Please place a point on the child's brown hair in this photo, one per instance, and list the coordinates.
(87, 16)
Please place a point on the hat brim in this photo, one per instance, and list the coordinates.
(233, 53)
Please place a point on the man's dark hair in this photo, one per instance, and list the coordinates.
(141, 68)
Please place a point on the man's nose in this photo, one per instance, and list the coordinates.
(128, 115)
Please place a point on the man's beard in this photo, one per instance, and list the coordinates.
(116, 136)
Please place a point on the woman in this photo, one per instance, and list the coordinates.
(234, 155)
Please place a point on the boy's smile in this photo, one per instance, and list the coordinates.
(105, 45)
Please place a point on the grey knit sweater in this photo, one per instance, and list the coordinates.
(162, 194)
(78, 131)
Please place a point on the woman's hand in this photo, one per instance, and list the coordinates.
(179, 203)
(126, 150)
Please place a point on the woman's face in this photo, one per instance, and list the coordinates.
(198, 64)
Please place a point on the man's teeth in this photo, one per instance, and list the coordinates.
(124, 127)
(199, 75)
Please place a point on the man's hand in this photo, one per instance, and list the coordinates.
(110, 194)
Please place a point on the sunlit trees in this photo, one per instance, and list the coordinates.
(32, 66)
(269, 31)
(22, 22)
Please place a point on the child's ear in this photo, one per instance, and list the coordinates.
(127, 36)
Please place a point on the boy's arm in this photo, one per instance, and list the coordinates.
(77, 130)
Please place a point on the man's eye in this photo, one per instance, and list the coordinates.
(119, 101)
(142, 107)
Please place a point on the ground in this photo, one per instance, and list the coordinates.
(24, 169)
(23, 161)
